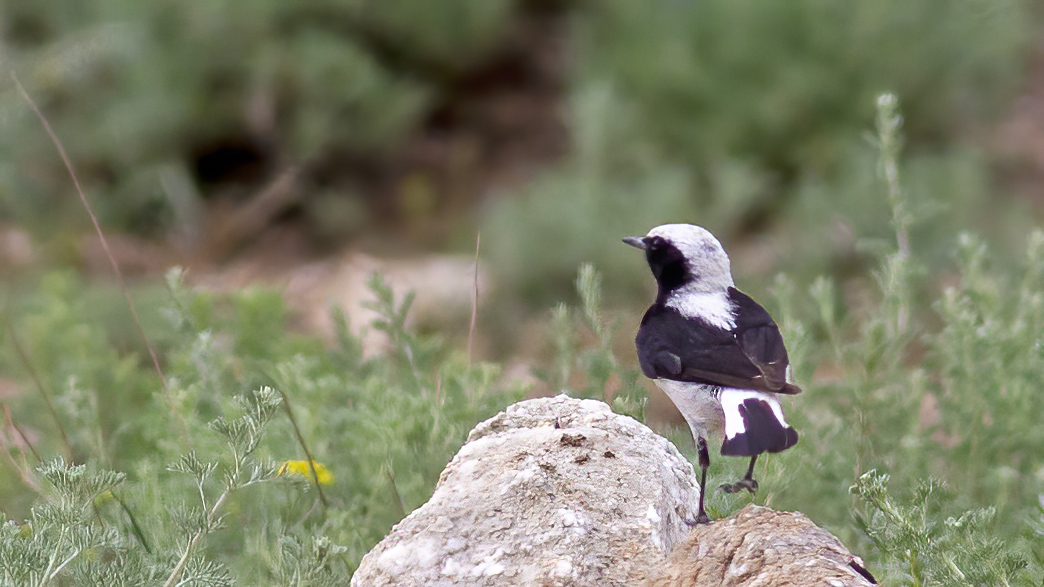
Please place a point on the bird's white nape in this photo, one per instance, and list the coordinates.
(714, 308)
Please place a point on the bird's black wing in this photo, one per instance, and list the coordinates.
(750, 356)
(759, 338)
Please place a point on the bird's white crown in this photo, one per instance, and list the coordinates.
(704, 255)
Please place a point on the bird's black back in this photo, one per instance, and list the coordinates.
(749, 356)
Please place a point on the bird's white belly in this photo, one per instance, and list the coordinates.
(697, 402)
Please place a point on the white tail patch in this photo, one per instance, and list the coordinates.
(730, 403)
(754, 423)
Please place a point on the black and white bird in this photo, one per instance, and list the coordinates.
(714, 351)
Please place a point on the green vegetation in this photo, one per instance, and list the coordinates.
(933, 392)
(198, 463)
(908, 284)
(381, 429)
(142, 90)
(749, 118)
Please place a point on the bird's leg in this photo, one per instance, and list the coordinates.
(701, 446)
(747, 482)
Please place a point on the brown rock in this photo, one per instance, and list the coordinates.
(760, 547)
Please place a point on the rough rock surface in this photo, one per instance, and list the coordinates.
(560, 491)
(552, 491)
(760, 547)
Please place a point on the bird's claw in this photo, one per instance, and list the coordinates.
(749, 484)
(701, 518)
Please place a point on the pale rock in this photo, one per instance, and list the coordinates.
(552, 491)
(443, 288)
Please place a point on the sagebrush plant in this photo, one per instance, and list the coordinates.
(591, 370)
(930, 386)
(922, 547)
(210, 506)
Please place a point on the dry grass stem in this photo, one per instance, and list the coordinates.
(108, 253)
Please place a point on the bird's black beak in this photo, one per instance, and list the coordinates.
(635, 241)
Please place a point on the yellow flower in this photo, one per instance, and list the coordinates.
(103, 497)
(301, 468)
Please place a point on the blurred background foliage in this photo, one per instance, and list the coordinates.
(424, 120)
(206, 132)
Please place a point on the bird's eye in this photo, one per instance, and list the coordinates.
(654, 242)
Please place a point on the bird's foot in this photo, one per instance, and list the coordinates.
(701, 518)
(746, 483)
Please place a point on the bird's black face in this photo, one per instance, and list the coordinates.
(666, 261)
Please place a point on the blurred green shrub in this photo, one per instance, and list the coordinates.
(720, 107)
(137, 88)
(611, 187)
(783, 85)
(746, 118)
